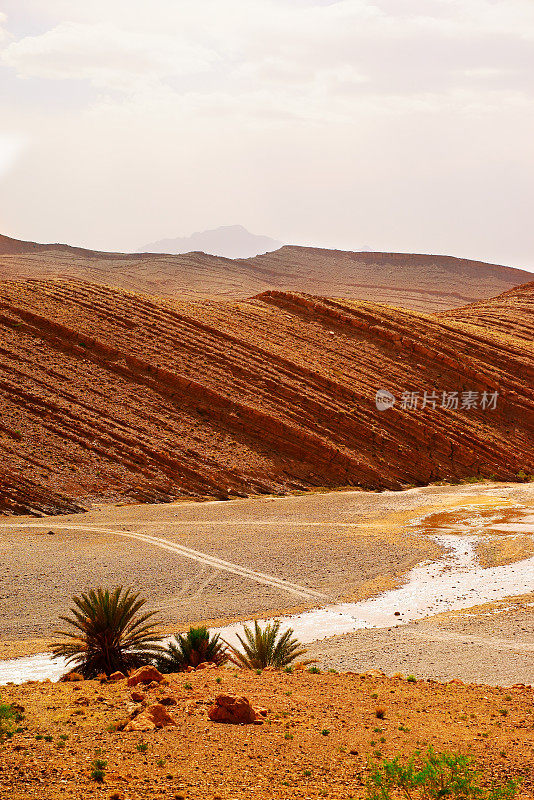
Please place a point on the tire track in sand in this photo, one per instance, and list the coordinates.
(194, 555)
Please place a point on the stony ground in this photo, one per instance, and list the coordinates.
(489, 644)
(320, 732)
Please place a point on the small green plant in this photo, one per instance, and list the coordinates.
(403, 728)
(503, 712)
(7, 721)
(188, 685)
(142, 747)
(160, 762)
(508, 697)
(108, 633)
(380, 712)
(411, 679)
(374, 696)
(195, 647)
(266, 647)
(433, 776)
(64, 736)
(288, 735)
(525, 477)
(218, 680)
(325, 732)
(307, 773)
(378, 730)
(314, 670)
(48, 738)
(288, 669)
(98, 769)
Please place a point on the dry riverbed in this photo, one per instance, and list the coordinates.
(225, 561)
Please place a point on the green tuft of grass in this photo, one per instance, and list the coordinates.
(98, 770)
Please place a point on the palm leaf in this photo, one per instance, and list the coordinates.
(266, 648)
(195, 647)
(108, 633)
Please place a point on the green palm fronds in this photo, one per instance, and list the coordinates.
(195, 647)
(266, 648)
(108, 633)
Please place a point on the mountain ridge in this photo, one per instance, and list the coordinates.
(229, 241)
(416, 281)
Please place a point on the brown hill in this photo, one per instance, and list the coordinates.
(511, 312)
(108, 394)
(420, 282)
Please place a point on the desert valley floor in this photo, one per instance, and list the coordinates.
(220, 562)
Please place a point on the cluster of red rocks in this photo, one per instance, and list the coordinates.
(146, 716)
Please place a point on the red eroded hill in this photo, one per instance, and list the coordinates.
(510, 313)
(108, 394)
(420, 282)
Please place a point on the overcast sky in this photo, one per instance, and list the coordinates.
(402, 125)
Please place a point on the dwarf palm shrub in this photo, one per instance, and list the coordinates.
(195, 647)
(266, 648)
(108, 633)
(433, 776)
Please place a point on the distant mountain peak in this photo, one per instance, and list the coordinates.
(230, 241)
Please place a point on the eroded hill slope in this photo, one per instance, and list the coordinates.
(107, 394)
(420, 282)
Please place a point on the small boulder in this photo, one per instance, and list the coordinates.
(160, 716)
(155, 716)
(235, 710)
(141, 722)
(168, 701)
(145, 675)
(117, 676)
(138, 697)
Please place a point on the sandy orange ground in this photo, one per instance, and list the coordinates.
(320, 732)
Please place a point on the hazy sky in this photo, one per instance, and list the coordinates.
(396, 124)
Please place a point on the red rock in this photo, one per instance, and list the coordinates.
(117, 676)
(234, 710)
(145, 675)
(168, 701)
(142, 722)
(155, 716)
(138, 697)
(160, 716)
